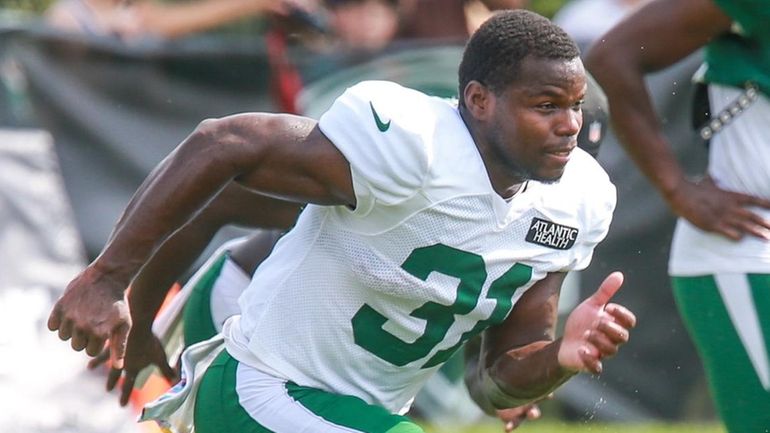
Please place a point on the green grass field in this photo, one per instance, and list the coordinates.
(558, 427)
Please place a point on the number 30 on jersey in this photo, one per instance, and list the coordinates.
(470, 270)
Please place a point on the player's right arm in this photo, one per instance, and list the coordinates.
(280, 156)
(659, 34)
(233, 205)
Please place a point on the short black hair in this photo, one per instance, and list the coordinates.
(494, 52)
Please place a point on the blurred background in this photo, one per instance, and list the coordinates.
(94, 93)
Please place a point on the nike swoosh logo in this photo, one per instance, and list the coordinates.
(382, 126)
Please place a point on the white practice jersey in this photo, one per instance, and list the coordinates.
(738, 159)
(371, 301)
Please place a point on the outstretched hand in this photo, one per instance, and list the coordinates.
(713, 209)
(595, 329)
(92, 310)
(142, 350)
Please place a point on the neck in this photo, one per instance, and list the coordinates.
(503, 181)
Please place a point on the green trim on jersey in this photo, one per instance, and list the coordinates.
(351, 412)
(217, 407)
(742, 401)
(197, 318)
(735, 59)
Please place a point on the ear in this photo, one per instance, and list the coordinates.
(479, 100)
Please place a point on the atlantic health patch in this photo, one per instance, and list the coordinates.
(551, 235)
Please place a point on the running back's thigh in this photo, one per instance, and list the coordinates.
(237, 398)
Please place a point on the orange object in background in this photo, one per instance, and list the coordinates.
(156, 384)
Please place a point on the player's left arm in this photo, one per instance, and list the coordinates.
(521, 361)
(512, 417)
(234, 205)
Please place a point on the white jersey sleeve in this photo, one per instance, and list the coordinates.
(384, 131)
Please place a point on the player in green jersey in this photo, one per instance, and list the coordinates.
(720, 255)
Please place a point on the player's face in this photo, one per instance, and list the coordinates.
(536, 120)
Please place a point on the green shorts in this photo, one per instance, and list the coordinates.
(236, 398)
(198, 321)
(728, 317)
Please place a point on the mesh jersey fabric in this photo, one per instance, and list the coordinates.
(426, 251)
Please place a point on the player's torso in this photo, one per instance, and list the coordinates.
(370, 305)
(372, 314)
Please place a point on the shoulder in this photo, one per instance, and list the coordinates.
(379, 89)
(586, 178)
(381, 103)
(387, 134)
(583, 168)
(388, 117)
(584, 199)
(586, 189)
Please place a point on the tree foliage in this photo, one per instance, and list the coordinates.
(36, 6)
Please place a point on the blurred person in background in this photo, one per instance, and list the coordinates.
(372, 24)
(448, 19)
(152, 18)
(720, 254)
(92, 16)
(587, 20)
(319, 25)
(363, 24)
